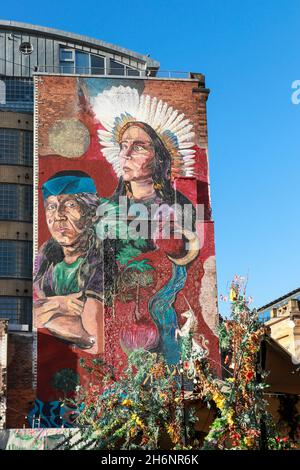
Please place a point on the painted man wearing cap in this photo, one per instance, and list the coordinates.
(69, 279)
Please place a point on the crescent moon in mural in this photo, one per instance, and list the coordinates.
(193, 249)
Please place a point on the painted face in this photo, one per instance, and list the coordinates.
(64, 218)
(136, 155)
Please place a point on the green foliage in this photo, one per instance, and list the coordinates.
(130, 246)
(140, 242)
(141, 265)
(139, 411)
(146, 409)
(224, 336)
(243, 421)
(127, 253)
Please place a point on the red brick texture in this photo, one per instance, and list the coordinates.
(20, 394)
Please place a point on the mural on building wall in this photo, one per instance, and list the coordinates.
(53, 414)
(124, 229)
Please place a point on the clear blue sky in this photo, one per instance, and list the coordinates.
(249, 52)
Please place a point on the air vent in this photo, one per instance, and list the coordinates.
(26, 48)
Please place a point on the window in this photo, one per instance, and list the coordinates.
(97, 65)
(82, 61)
(21, 90)
(27, 203)
(9, 145)
(8, 259)
(76, 61)
(28, 147)
(8, 202)
(15, 259)
(17, 310)
(16, 202)
(132, 72)
(116, 68)
(16, 147)
(67, 55)
(18, 94)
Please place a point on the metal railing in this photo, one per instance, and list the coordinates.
(172, 74)
(65, 69)
(128, 72)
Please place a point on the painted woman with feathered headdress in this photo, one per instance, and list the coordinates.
(148, 144)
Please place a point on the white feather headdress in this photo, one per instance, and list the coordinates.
(119, 105)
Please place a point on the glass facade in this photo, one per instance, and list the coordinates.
(97, 65)
(15, 259)
(28, 147)
(132, 72)
(16, 147)
(116, 68)
(16, 202)
(16, 309)
(17, 94)
(82, 62)
(73, 61)
(66, 54)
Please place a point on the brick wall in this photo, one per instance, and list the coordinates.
(20, 394)
(187, 97)
(3, 371)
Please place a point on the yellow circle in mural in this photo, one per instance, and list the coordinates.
(69, 138)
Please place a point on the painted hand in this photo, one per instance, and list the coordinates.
(67, 305)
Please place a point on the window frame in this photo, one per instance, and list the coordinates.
(22, 197)
(22, 140)
(63, 49)
(22, 249)
(126, 68)
(104, 64)
(71, 62)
